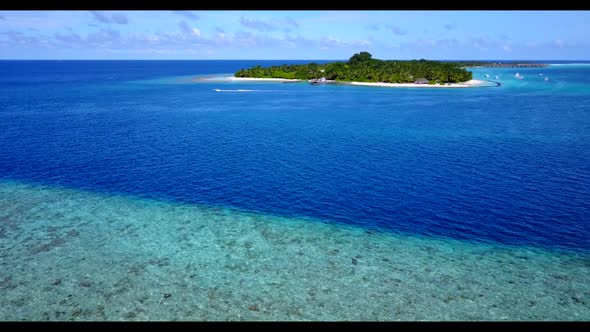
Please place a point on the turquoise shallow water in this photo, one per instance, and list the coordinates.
(75, 255)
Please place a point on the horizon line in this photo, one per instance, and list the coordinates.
(73, 59)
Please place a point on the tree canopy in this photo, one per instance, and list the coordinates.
(361, 67)
(359, 58)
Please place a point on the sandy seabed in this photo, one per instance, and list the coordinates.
(74, 255)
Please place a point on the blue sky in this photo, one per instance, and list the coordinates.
(535, 35)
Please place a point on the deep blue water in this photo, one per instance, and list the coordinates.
(507, 164)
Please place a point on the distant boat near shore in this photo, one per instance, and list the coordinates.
(318, 81)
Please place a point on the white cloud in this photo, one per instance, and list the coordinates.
(559, 43)
(482, 43)
(103, 17)
(397, 30)
(185, 39)
(188, 31)
(187, 14)
(152, 38)
(334, 42)
(261, 25)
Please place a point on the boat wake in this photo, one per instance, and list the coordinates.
(236, 90)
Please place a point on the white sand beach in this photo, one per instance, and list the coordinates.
(244, 79)
(468, 84)
(232, 78)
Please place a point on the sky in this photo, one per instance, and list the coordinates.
(331, 35)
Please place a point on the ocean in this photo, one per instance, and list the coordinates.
(132, 190)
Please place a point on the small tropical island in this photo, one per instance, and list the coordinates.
(362, 69)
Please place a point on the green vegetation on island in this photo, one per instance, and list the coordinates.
(361, 67)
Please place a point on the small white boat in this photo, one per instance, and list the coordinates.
(487, 76)
(318, 81)
(540, 74)
(546, 78)
(497, 77)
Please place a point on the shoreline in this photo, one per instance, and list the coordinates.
(233, 78)
(468, 84)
